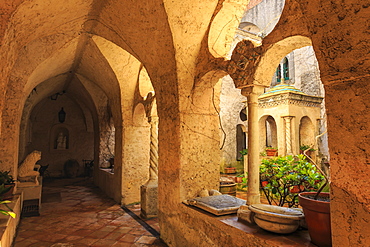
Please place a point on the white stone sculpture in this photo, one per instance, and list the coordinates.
(61, 141)
(26, 169)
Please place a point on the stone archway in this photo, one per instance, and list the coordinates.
(268, 132)
(306, 132)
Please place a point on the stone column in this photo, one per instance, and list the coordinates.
(149, 191)
(288, 134)
(253, 194)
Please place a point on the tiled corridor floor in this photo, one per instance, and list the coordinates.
(76, 213)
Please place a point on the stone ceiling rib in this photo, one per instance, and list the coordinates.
(93, 14)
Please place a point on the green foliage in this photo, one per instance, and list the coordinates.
(243, 152)
(283, 177)
(4, 189)
(243, 185)
(304, 147)
(268, 148)
(9, 211)
(6, 178)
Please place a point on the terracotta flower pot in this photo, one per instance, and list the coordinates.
(230, 170)
(271, 152)
(238, 180)
(317, 214)
(297, 189)
(264, 183)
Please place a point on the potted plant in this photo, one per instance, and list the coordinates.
(316, 207)
(271, 151)
(239, 178)
(282, 178)
(6, 185)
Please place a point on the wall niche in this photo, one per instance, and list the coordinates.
(60, 137)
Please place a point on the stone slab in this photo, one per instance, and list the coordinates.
(219, 204)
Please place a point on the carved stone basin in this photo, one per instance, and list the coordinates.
(277, 219)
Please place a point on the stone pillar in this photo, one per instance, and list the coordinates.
(253, 194)
(149, 191)
(288, 134)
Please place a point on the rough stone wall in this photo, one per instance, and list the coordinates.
(171, 39)
(347, 105)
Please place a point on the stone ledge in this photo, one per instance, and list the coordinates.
(251, 234)
(8, 225)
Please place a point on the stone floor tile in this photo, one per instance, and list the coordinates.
(98, 234)
(85, 218)
(108, 228)
(138, 232)
(104, 243)
(27, 233)
(122, 244)
(124, 229)
(41, 244)
(128, 238)
(82, 232)
(115, 235)
(24, 243)
(87, 241)
(72, 238)
(146, 240)
(49, 237)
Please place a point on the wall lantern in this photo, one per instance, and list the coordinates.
(62, 115)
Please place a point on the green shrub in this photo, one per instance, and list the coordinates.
(282, 178)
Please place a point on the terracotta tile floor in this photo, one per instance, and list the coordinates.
(76, 213)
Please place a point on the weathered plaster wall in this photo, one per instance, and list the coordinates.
(343, 55)
(171, 39)
(347, 105)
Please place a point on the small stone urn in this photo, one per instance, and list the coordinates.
(277, 219)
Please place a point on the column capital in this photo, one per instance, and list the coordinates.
(252, 89)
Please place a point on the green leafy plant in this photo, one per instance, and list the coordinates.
(243, 152)
(304, 147)
(6, 178)
(269, 148)
(7, 211)
(282, 178)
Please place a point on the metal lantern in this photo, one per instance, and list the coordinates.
(62, 115)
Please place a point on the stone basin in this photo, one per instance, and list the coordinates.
(277, 219)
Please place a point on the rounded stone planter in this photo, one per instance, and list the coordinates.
(277, 219)
(317, 218)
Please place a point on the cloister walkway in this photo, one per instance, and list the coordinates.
(76, 213)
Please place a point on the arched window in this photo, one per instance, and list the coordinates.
(278, 74)
(286, 69)
(241, 141)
